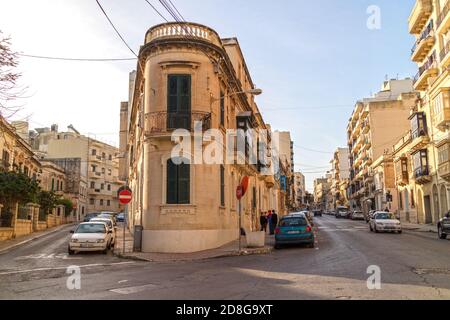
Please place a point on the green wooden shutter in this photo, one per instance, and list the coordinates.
(222, 186)
(172, 177)
(184, 184)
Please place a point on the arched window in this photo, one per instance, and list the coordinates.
(178, 183)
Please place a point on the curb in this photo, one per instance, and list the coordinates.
(266, 250)
(32, 239)
(419, 230)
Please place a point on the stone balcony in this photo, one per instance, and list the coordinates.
(419, 15)
(443, 20)
(188, 31)
(427, 71)
(424, 44)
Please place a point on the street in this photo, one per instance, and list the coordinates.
(413, 266)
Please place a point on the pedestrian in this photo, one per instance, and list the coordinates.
(269, 220)
(274, 219)
(263, 221)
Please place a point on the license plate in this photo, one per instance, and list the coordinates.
(86, 245)
(293, 232)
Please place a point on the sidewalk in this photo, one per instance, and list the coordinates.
(420, 227)
(10, 244)
(229, 250)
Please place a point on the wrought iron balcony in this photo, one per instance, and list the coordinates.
(443, 20)
(422, 175)
(164, 123)
(427, 70)
(424, 44)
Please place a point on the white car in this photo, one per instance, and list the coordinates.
(110, 223)
(385, 222)
(90, 236)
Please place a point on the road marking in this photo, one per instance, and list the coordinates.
(63, 256)
(130, 290)
(123, 281)
(64, 268)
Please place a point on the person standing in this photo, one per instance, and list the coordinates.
(263, 221)
(274, 219)
(269, 220)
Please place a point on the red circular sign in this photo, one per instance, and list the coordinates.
(239, 192)
(125, 196)
(244, 184)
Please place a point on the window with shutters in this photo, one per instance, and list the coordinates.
(222, 186)
(179, 102)
(178, 183)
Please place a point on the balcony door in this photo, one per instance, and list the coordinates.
(179, 101)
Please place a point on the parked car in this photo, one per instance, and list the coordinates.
(90, 236)
(303, 214)
(111, 227)
(294, 229)
(342, 212)
(385, 222)
(357, 215)
(90, 216)
(317, 213)
(108, 216)
(444, 227)
(120, 217)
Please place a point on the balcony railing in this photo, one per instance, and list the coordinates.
(444, 56)
(428, 69)
(165, 122)
(443, 19)
(420, 172)
(188, 30)
(424, 43)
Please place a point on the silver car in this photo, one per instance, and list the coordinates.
(385, 222)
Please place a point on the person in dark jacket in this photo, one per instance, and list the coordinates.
(274, 219)
(263, 221)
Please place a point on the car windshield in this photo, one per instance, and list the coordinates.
(91, 228)
(108, 222)
(293, 222)
(384, 216)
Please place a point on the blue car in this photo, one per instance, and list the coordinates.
(294, 230)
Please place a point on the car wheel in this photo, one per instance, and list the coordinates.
(311, 245)
(370, 227)
(400, 232)
(277, 247)
(376, 230)
(70, 252)
(441, 235)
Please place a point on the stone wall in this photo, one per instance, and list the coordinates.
(23, 227)
(6, 233)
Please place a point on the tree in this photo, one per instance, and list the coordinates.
(9, 88)
(47, 200)
(68, 205)
(16, 187)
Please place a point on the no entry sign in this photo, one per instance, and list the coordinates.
(125, 196)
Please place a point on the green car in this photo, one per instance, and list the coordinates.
(294, 230)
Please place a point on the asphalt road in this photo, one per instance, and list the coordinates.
(413, 265)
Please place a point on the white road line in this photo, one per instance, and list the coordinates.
(130, 290)
(63, 268)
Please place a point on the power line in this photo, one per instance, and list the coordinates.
(115, 29)
(75, 59)
(154, 8)
(177, 10)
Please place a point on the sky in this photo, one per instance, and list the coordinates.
(312, 59)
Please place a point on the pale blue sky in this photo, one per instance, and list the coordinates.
(313, 59)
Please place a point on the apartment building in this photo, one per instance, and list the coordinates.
(375, 125)
(299, 190)
(322, 188)
(286, 156)
(93, 164)
(187, 73)
(422, 155)
(340, 173)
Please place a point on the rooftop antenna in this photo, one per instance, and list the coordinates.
(71, 127)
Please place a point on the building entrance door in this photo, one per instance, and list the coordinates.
(428, 216)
